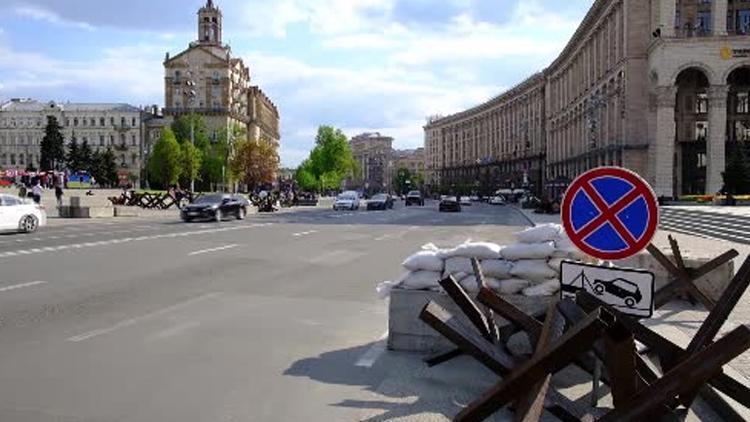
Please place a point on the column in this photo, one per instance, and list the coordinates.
(667, 14)
(719, 17)
(663, 149)
(716, 142)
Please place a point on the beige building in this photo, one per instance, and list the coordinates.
(207, 80)
(410, 159)
(658, 86)
(102, 126)
(372, 153)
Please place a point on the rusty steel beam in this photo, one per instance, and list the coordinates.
(620, 361)
(507, 310)
(442, 357)
(530, 407)
(682, 278)
(468, 307)
(479, 277)
(684, 378)
(557, 356)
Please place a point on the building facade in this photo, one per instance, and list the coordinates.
(372, 153)
(206, 79)
(657, 86)
(102, 126)
(410, 159)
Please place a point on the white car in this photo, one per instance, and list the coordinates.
(497, 200)
(20, 215)
(465, 200)
(475, 198)
(348, 200)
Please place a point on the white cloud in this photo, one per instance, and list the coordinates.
(41, 14)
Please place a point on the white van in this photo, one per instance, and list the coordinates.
(348, 200)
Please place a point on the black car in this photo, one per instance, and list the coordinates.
(624, 289)
(449, 204)
(414, 198)
(381, 201)
(215, 207)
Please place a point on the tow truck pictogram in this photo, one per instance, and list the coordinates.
(626, 290)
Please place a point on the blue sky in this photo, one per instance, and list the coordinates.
(361, 65)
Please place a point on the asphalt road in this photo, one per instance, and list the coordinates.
(273, 318)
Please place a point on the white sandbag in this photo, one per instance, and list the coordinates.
(384, 289)
(520, 251)
(423, 261)
(497, 268)
(555, 263)
(564, 248)
(479, 250)
(540, 234)
(469, 283)
(421, 280)
(533, 270)
(512, 286)
(547, 288)
(456, 265)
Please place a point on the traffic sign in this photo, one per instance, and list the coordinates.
(627, 290)
(610, 213)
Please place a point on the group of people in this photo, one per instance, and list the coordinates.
(34, 190)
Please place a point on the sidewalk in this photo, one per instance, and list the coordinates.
(680, 319)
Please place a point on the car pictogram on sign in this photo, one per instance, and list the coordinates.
(624, 289)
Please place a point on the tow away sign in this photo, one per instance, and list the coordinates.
(629, 291)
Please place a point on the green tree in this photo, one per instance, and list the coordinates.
(165, 164)
(191, 158)
(331, 160)
(255, 162)
(305, 178)
(73, 158)
(403, 175)
(53, 146)
(104, 167)
(181, 129)
(85, 156)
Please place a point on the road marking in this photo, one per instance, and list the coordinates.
(383, 237)
(21, 286)
(373, 353)
(54, 237)
(133, 321)
(304, 233)
(221, 248)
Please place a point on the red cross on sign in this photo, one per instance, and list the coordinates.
(610, 213)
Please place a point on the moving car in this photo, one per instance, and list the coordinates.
(449, 203)
(348, 200)
(475, 198)
(465, 200)
(215, 207)
(624, 289)
(497, 200)
(414, 197)
(21, 215)
(381, 201)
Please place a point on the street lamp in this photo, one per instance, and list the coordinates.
(593, 105)
(190, 92)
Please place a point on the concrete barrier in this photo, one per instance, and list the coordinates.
(406, 332)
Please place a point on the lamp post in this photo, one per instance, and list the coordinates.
(593, 105)
(190, 92)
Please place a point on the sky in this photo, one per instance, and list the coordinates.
(359, 65)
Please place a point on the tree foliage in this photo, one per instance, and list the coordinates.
(191, 158)
(737, 174)
(85, 156)
(405, 180)
(104, 168)
(165, 164)
(72, 158)
(53, 146)
(181, 129)
(255, 162)
(330, 162)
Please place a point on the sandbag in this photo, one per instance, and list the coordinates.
(497, 268)
(456, 265)
(512, 286)
(547, 288)
(540, 234)
(384, 289)
(555, 263)
(469, 283)
(533, 270)
(564, 248)
(423, 261)
(520, 251)
(418, 280)
(479, 250)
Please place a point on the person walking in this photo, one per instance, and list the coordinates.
(37, 192)
(59, 194)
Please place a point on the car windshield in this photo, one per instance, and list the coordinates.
(449, 198)
(209, 199)
(379, 197)
(414, 193)
(346, 198)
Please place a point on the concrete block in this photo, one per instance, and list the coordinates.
(406, 332)
(75, 201)
(123, 211)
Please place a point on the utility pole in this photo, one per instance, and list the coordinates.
(190, 92)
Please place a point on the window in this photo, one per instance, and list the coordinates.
(703, 22)
(13, 159)
(133, 122)
(111, 139)
(132, 140)
(122, 122)
(101, 140)
(742, 131)
(83, 121)
(67, 122)
(177, 77)
(93, 122)
(743, 106)
(75, 121)
(134, 158)
(112, 121)
(122, 139)
(701, 131)
(701, 102)
(101, 121)
(743, 22)
(20, 159)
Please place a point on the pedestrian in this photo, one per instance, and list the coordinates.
(37, 192)
(22, 191)
(59, 194)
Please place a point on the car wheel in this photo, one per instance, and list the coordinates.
(599, 289)
(241, 213)
(630, 302)
(218, 216)
(28, 224)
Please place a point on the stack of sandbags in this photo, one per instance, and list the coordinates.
(424, 270)
(458, 265)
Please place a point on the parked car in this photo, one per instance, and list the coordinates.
(475, 198)
(497, 200)
(624, 289)
(381, 201)
(215, 207)
(449, 203)
(21, 215)
(348, 200)
(465, 200)
(414, 197)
